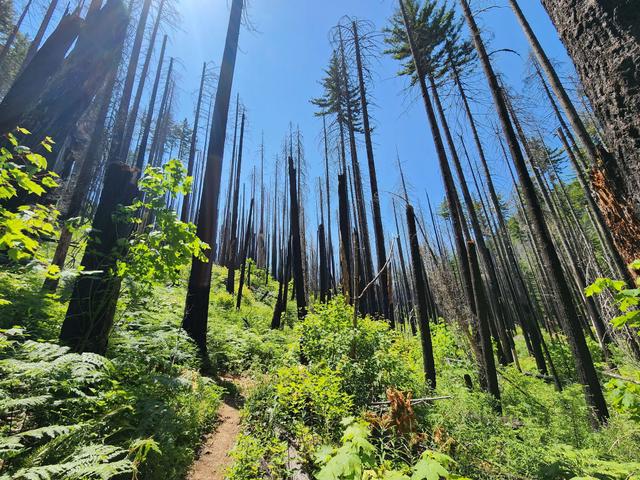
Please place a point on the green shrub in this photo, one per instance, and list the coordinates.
(369, 358)
(256, 459)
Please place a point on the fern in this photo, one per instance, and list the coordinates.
(91, 462)
(23, 403)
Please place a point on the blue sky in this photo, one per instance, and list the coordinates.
(282, 60)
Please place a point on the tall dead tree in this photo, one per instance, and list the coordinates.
(584, 363)
(373, 181)
(119, 125)
(197, 302)
(603, 40)
(420, 284)
(296, 244)
(184, 216)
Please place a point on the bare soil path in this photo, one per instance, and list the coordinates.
(213, 459)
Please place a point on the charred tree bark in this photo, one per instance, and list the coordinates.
(119, 124)
(373, 182)
(296, 244)
(603, 39)
(599, 158)
(133, 114)
(245, 251)
(424, 309)
(29, 85)
(142, 148)
(186, 203)
(197, 302)
(89, 317)
(345, 237)
(482, 309)
(37, 39)
(233, 237)
(584, 364)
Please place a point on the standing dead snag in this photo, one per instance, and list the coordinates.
(245, 250)
(197, 301)
(568, 316)
(421, 287)
(488, 367)
(89, 317)
(296, 244)
(602, 38)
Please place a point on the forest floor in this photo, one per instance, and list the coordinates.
(263, 414)
(214, 459)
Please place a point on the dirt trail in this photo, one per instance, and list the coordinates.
(213, 459)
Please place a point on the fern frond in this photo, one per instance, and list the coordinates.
(24, 403)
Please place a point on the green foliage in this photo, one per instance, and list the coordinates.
(365, 357)
(623, 395)
(256, 459)
(627, 299)
(24, 173)
(357, 459)
(157, 253)
(436, 33)
(145, 403)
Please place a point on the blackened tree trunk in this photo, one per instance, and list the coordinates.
(70, 92)
(424, 309)
(296, 244)
(603, 39)
(373, 183)
(120, 122)
(88, 167)
(324, 266)
(345, 237)
(233, 234)
(29, 85)
(498, 318)
(37, 39)
(184, 216)
(598, 158)
(146, 129)
(90, 314)
(245, 251)
(197, 302)
(133, 114)
(568, 316)
(482, 309)
(450, 190)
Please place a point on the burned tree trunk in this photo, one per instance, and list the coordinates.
(245, 251)
(184, 216)
(373, 182)
(37, 39)
(603, 39)
(197, 302)
(29, 84)
(584, 364)
(233, 236)
(89, 317)
(423, 297)
(116, 153)
(482, 310)
(296, 244)
(133, 114)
